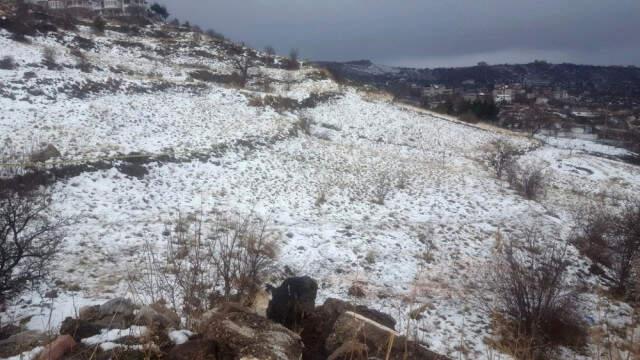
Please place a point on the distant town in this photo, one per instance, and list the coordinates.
(597, 103)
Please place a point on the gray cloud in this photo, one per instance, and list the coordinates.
(430, 32)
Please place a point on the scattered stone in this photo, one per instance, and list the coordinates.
(58, 348)
(350, 350)
(50, 152)
(19, 342)
(52, 294)
(292, 300)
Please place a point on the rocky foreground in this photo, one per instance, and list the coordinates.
(293, 328)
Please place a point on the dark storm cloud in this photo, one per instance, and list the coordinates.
(430, 32)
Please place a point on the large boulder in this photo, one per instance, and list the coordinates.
(244, 334)
(292, 300)
(157, 315)
(117, 306)
(117, 313)
(319, 325)
(380, 341)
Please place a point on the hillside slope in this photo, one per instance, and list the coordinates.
(209, 147)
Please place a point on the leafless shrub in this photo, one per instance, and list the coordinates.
(207, 260)
(29, 241)
(99, 25)
(304, 124)
(289, 80)
(381, 189)
(612, 241)
(49, 57)
(82, 62)
(8, 63)
(501, 156)
(534, 304)
(403, 180)
(529, 181)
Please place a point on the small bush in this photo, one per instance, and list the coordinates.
(613, 241)
(99, 25)
(536, 307)
(82, 62)
(502, 156)
(381, 189)
(49, 58)
(528, 181)
(207, 260)
(304, 125)
(8, 63)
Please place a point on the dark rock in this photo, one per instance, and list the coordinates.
(134, 170)
(8, 330)
(79, 329)
(292, 300)
(17, 343)
(197, 349)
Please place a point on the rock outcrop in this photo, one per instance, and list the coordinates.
(292, 300)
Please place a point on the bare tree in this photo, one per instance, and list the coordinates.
(535, 120)
(242, 65)
(271, 54)
(29, 241)
(293, 63)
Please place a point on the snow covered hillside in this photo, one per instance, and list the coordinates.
(393, 199)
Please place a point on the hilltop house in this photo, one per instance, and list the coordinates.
(101, 7)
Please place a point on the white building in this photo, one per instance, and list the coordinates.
(503, 94)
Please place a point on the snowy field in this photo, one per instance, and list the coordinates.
(427, 243)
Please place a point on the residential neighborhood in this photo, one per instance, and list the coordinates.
(99, 7)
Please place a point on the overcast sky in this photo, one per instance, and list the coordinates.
(429, 33)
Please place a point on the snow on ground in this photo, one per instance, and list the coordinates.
(426, 243)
